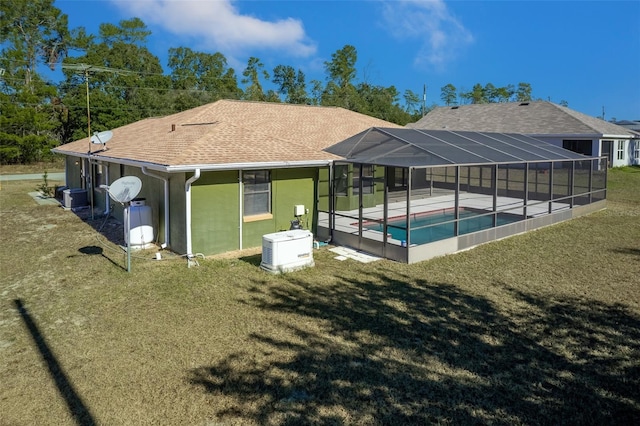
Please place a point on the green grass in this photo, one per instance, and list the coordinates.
(540, 328)
(55, 165)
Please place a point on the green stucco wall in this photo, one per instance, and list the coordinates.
(215, 206)
(73, 172)
(177, 218)
(214, 212)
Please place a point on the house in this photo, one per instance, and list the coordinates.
(543, 120)
(219, 176)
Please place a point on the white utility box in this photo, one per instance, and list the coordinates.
(298, 210)
(287, 251)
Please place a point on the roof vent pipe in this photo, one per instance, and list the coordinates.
(173, 127)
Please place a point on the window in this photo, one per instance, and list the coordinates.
(401, 178)
(257, 192)
(367, 179)
(620, 150)
(341, 179)
(636, 152)
(579, 146)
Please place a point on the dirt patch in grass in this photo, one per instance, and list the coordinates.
(541, 328)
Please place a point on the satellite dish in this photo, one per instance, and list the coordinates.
(102, 137)
(125, 189)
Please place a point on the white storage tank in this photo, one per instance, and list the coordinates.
(141, 231)
(287, 251)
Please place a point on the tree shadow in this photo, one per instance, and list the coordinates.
(76, 406)
(386, 349)
(628, 250)
(254, 260)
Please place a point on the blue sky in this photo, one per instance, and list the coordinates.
(584, 52)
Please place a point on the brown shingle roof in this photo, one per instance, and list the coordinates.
(533, 118)
(232, 132)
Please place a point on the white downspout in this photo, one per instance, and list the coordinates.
(166, 202)
(107, 199)
(240, 203)
(187, 190)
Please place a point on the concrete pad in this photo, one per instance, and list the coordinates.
(42, 200)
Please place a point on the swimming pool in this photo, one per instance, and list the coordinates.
(438, 225)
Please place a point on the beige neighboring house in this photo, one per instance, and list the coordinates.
(558, 125)
(220, 176)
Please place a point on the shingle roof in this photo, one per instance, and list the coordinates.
(232, 132)
(533, 118)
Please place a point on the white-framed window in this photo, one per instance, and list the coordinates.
(636, 151)
(620, 150)
(257, 192)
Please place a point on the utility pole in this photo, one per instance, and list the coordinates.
(84, 70)
(424, 100)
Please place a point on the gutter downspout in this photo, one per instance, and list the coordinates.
(187, 190)
(145, 171)
(107, 199)
(240, 203)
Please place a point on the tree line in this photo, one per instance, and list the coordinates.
(112, 79)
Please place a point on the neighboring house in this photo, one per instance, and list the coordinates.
(558, 125)
(219, 176)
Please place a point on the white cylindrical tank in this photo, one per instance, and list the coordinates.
(141, 231)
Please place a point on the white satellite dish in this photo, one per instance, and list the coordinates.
(125, 189)
(101, 137)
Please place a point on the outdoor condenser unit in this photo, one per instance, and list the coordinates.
(287, 251)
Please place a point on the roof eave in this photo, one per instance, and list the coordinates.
(580, 135)
(126, 162)
(248, 166)
(203, 167)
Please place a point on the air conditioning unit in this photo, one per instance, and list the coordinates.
(287, 251)
(74, 197)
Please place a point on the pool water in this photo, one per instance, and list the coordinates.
(429, 227)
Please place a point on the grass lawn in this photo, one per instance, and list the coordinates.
(540, 328)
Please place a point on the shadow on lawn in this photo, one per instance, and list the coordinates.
(385, 350)
(96, 251)
(76, 406)
(629, 250)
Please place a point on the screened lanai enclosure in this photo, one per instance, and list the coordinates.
(411, 195)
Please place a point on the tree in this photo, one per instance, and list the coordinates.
(342, 68)
(448, 94)
(523, 93)
(413, 104)
(504, 94)
(31, 32)
(341, 71)
(291, 84)
(477, 95)
(199, 78)
(126, 81)
(382, 102)
(252, 72)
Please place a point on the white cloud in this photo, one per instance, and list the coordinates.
(429, 20)
(221, 26)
